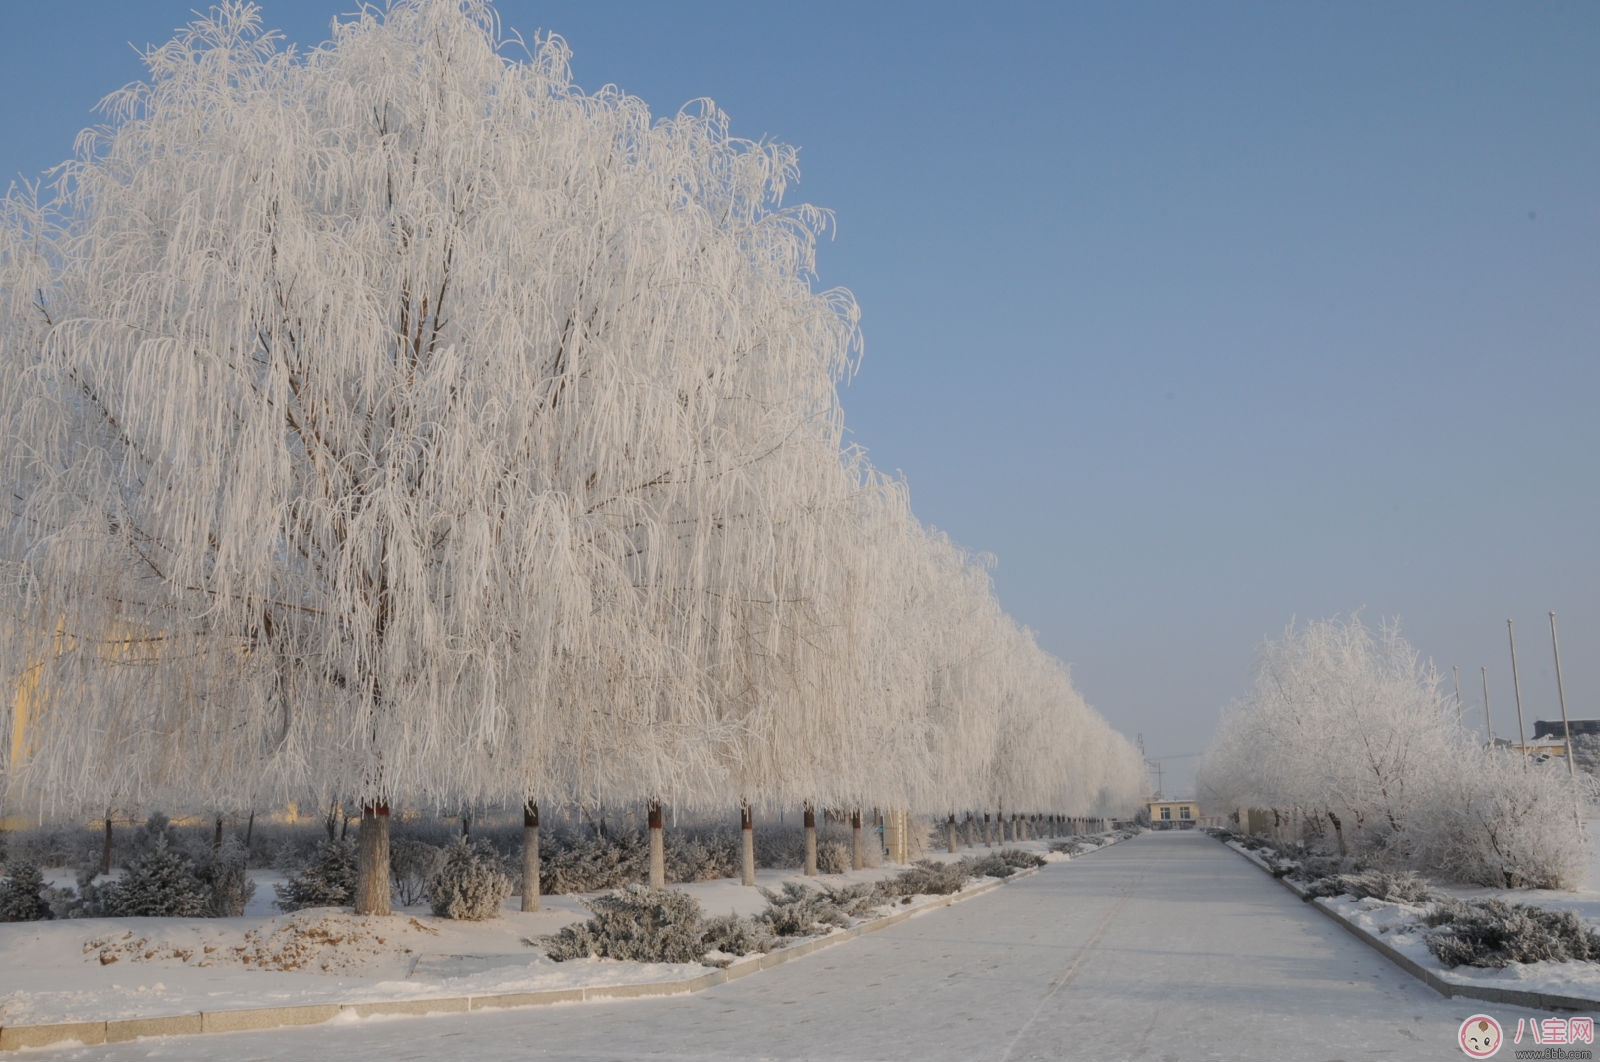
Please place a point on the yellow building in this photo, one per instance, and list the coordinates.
(1174, 814)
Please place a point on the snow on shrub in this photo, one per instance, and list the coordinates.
(929, 878)
(592, 864)
(161, 882)
(802, 911)
(1021, 858)
(733, 935)
(1393, 887)
(705, 857)
(635, 923)
(470, 885)
(22, 894)
(227, 882)
(329, 880)
(1493, 933)
(833, 857)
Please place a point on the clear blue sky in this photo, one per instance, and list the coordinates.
(1198, 316)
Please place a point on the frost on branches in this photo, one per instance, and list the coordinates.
(395, 422)
(1346, 729)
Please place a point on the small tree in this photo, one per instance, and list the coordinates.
(471, 884)
(22, 894)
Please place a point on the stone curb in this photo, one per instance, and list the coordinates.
(88, 1033)
(1514, 997)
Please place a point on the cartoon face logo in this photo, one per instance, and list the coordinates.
(1480, 1036)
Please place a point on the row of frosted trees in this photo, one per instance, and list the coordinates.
(396, 420)
(1347, 734)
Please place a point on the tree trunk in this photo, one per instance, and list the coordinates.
(950, 832)
(105, 849)
(249, 828)
(858, 844)
(372, 870)
(1338, 831)
(987, 842)
(530, 856)
(331, 820)
(811, 842)
(658, 847)
(747, 846)
(216, 835)
(466, 824)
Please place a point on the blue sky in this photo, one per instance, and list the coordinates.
(1200, 317)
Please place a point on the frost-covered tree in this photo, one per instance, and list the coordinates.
(1346, 725)
(395, 421)
(380, 417)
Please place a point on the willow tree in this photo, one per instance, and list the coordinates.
(375, 392)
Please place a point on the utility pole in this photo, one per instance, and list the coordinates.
(1487, 721)
(1566, 724)
(1516, 687)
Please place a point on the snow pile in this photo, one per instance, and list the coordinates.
(315, 940)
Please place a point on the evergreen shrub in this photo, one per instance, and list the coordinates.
(470, 885)
(636, 923)
(22, 894)
(328, 880)
(1493, 933)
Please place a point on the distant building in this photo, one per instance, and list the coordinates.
(1551, 728)
(1174, 814)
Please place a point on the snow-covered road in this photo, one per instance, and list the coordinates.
(1168, 946)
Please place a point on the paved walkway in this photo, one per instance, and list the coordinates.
(1168, 947)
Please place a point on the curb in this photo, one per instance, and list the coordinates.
(90, 1033)
(1514, 997)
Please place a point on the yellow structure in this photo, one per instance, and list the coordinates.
(1174, 814)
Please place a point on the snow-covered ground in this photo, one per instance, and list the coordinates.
(1165, 947)
(116, 968)
(1399, 925)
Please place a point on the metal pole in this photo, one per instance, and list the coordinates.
(1488, 722)
(1516, 687)
(1566, 724)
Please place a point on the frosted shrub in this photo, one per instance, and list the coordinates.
(411, 865)
(636, 923)
(1493, 933)
(22, 894)
(703, 858)
(1394, 887)
(592, 864)
(801, 911)
(329, 880)
(733, 935)
(833, 857)
(470, 885)
(226, 880)
(989, 866)
(1020, 858)
(1317, 867)
(928, 878)
(161, 883)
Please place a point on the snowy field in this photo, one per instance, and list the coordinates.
(1164, 947)
(115, 968)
